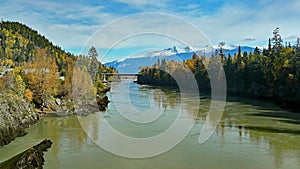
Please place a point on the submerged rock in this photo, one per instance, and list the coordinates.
(102, 99)
(102, 102)
(29, 159)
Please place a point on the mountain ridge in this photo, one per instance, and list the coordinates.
(132, 64)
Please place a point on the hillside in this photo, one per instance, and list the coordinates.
(40, 71)
(20, 42)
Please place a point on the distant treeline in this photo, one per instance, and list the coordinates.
(271, 73)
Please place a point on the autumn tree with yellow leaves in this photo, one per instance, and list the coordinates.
(42, 77)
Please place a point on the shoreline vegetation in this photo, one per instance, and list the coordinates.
(268, 74)
(40, 79)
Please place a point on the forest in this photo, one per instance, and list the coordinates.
(34, 69)
(272, 73)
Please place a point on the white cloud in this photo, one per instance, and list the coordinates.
(248, 39)
(145, 3)
(69, 36)
(192, 6)
(148, 30)
(70, 25)
(290, 38)
(66, 25)
(231, 23)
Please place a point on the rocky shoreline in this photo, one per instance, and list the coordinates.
(31, 158)
(15, 115)
(61, 108)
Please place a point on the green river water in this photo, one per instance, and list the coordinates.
(252, 134)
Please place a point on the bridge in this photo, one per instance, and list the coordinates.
(120, 76)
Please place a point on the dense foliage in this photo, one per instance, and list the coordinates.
(272, 73)
(41, 70)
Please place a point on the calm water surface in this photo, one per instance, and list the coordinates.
(252, 134)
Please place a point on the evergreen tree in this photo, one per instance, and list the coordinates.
(94, 65)
(93, 54)
(269, 45)
(297, 47)
(221, 44)
(277, 41)
(274, 73)
(256, 51)
(239, 51)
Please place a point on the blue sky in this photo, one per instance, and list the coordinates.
(70, 24)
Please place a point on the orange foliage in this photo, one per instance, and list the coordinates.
(42, 76)
(28, 95)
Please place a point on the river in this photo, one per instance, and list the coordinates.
(252, 134)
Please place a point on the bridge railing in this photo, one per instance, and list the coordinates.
(119, 75)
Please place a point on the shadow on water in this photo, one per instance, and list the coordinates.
(291, 121)
(280, 116)
(259, 108)
(268, 109)
(271, 129)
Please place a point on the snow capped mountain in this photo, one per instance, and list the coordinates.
(226, 47)
(132, 64)
(189, 49)
(170, 51)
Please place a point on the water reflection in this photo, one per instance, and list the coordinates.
(67, 135)
(267, 127)
(251, 134)
(257, 122)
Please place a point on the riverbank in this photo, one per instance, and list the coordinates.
(16, 114)
(30, 158)
(284, 103)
